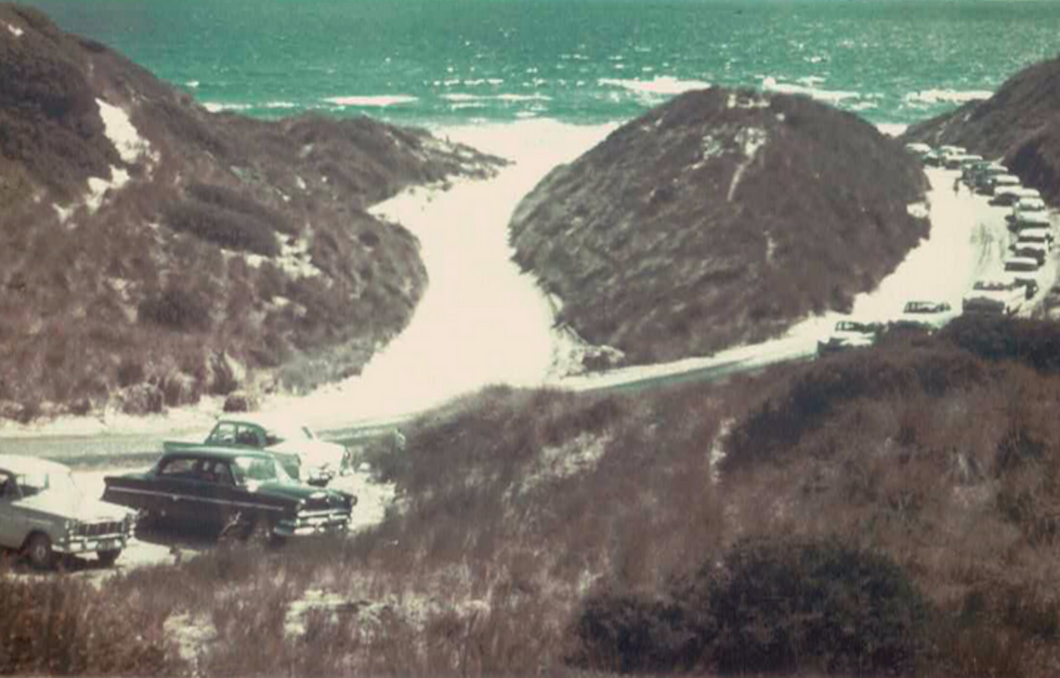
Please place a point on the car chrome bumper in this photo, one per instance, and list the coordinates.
(326, 523)
(113, 542)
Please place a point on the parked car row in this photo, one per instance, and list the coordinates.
(1028, 220)
(851, 334)
(236, 484)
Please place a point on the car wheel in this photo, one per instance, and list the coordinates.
(107, 558)
(260, 535)
(39, 552)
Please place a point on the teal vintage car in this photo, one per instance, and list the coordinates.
(304, 456)
(44, 515)
(245, 492)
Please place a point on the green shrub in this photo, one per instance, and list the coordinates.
(814, 605)
(176, 308)
(222, 227)
(1033, 342)
(227, 199)
(626, 633)
(810, 398)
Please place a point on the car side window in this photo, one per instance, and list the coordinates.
(217, 472)
(223, 434)
(8, 489)
(247, 436)
(179, 467)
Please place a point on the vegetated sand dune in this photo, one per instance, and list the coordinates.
(154, 252)
(717, 219)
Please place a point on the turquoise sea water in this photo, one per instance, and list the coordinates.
(583, 61)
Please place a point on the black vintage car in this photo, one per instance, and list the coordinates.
(235, 491)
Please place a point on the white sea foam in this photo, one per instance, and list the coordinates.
(193, 84)
(524, 97)
(930, 97)
(217, 107)
(381, 101)
(660, 86)
(832, 96)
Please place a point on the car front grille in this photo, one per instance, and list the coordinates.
(100, 529)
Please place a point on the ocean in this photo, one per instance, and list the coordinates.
(456, 62)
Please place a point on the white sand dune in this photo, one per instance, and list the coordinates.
(482, 321)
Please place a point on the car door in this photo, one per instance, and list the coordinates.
(217, 490)
(177, 487)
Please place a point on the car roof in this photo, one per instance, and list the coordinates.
(266, 421)
(1034, 233)
(924, 302)
(1025, 261)
(19, 463)
(211, 452)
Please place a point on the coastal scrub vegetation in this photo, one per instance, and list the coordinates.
(891, 511)
(211, 240)
(719, 219)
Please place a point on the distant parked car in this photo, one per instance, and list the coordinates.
(849, 334)
(1004, 190)
(45, 515)
(920, 150)
(996, 297)
(1022, 249)
(981, 177)
(929, 315)
(304, 456)
(231, 490)
(1032, 220)
(961, 160)
(1042, 236)
(1031, 205)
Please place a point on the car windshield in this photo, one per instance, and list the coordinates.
(990, 286)
(35, 482)
(922, 307)
(279, 434)
(850, 326)
(258, 469)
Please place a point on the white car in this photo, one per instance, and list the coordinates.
(45, 515)
(1026, 206)
(303, 455)
(1032, 220)
(918, 149)
(1030, 250)
(961, 160)
(995, 296)
(849, 334)
(929, 315)
(1043, 236)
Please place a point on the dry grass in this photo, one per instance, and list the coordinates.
(518, 509)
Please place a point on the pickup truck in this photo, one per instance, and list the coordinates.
(304, 456)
